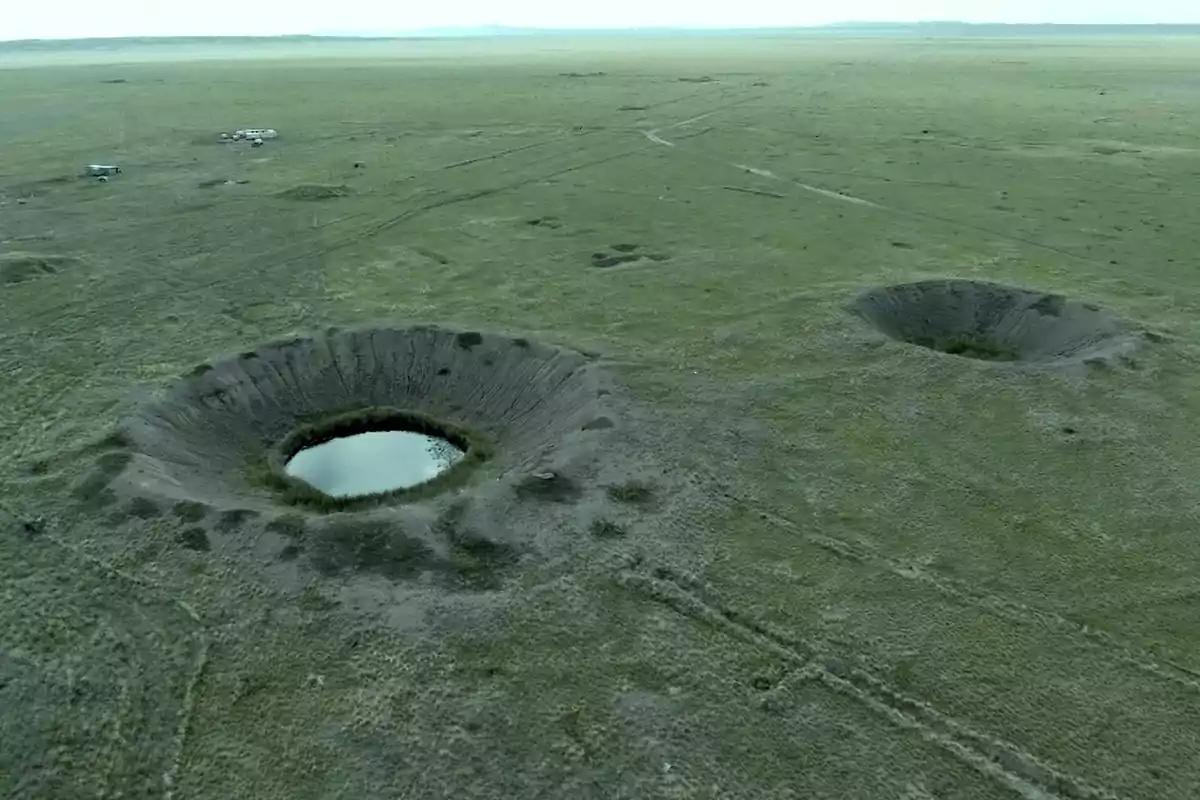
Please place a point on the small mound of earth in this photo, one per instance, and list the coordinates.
(1114, 149)
(624, 253)
(21, 267)
(994, 322)
(545, 436)
(314, 191)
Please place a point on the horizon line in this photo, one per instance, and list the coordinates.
(497, 31)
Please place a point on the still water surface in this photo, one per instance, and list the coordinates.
(376, 461)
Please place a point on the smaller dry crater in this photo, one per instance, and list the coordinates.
(993, 322)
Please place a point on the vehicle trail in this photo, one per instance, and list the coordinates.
(815, 661)
(999, 605)
(419, 203)
(501, 154)
(766, 173)
(654, 135)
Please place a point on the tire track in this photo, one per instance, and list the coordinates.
(501, 154)
(654, 136)
(200, 633)
(251, 200)
(1003, 762)
(426, 201)
(1007, 764)
(997, 605)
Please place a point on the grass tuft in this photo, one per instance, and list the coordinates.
(315, 191)
(115, 439)
(293, 526)
(143, 508)
(313, 600)
(195, 538)
(606, 529)
(93, 491)
(369, 546)
(290, 553)
(199, 370)
(234, 518)
(634, 493)
(475, 561)
(190, 510)
(21, 267)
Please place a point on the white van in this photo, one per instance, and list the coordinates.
(255, 133)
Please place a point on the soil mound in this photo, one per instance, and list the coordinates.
(21, 267)
(526, 415)
(314, 191)
(993, 322)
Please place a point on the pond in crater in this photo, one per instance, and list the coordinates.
(373, 462)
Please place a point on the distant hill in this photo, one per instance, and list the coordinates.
(933, 28)
(930, 28)
(953, 28)
(502, 31)
(117, 43)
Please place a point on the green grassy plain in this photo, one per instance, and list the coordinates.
(916, 576)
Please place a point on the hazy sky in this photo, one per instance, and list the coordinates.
(21, 19)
